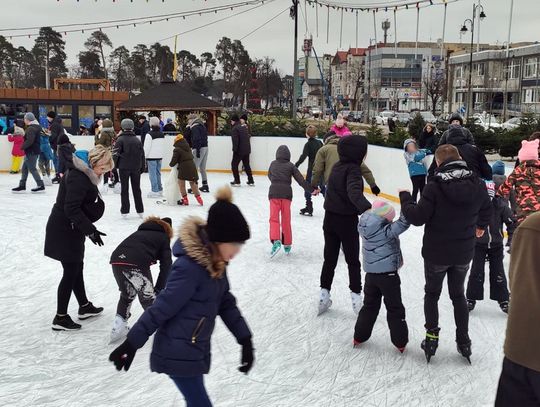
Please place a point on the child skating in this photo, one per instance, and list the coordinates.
(131, 263)
(382, 258)
(280, 173)
(187, 171)
(184, 314)
(17, 153)
(415, 164)
(310, 152)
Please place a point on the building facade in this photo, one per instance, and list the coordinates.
(347, 78)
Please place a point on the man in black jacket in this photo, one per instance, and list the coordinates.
(32, 149)
(455, 208)
(129, 159)
(241, 147)
(455, 119)
(57, 129)
(199, 146)
(344, 201)
(144, 127)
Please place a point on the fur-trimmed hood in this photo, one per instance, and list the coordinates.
(154, 220)
(192, 242)
(80, 165)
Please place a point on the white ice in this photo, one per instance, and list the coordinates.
(301, 359)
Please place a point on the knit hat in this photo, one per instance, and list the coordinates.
(340, 122)
(235, 118)
(456, 116)
(51, 114)
(529, 150)
(498, 168)
(18, 130)
(407, 142)
(384, 210)
(178, 137)
(225, 223)
(154, 121)
(490, 185)
(107, 124)
(167, 220)
(244, 117)
(127, 124)
(29, 117)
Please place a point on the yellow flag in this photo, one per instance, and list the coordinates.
(175, 63)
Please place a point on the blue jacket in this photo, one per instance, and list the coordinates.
(45, 147)
(415, 164)
(381, 252)
(185, 311)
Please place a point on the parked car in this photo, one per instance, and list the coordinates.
(428, 117)
(315, 111)
(385, 115)
(488, 124)
(345, 113)
(355, 116)
(512, 123)
(403, 118)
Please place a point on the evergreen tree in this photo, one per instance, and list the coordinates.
(96, 43)
(49, 56)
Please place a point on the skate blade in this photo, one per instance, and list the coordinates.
(324, 309)
(272, 255)
(428, 358)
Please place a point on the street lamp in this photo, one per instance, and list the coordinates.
(464, 30)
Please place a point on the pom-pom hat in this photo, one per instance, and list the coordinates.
(225, 223)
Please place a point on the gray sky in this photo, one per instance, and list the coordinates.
(274, 39)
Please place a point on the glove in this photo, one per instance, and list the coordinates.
(96, 237)
(375, 190)
(247, 356)
(123, 356)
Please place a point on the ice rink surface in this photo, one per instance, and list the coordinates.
(301, 359)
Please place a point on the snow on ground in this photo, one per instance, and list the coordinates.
(302, 359)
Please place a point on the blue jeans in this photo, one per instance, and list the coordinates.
(29, 165)
(154, 172)
(193, 390)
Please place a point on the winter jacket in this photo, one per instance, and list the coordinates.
(340, 131)
(345, 191)
(327, 157)
(381, 250)
(183, 157)
(32, 139)
(199, 135)
(280, 173)
(144, 130)
(472, 155)
(65, 154)
(241, 144)
(57, 129)
(78, 206)
(150, 243)
(469, 139)
(525, 180)
(17, 141)
(428, 141)
(169, 128)
(45, 147)
(154, 145)
(414, 161)
(310, 152)
(502, 214)
(105, 137)
(128, 152)
(453, 204)
(184, 313)
(523, 330)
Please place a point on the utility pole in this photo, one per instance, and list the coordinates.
(294, 14)
(368, 117)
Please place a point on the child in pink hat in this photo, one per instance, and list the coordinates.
(340, 128)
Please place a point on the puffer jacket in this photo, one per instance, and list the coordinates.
(183, 158)
(502, 215)
(128, 152)
(525, 180)
(381, 250)
(415, 165)
(199, 135)
(45, 147)
(57, 129)
(154, 145)
(17, 140)
(340, 131)
(280, 173)
(184, 313)
(32, 135)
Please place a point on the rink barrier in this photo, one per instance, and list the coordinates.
(387, 164)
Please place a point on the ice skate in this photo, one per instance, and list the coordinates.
(56, 179)
(465, 350)
(430, 344)
(38, 190)
(356, 344)
(204, 187)
(401, 350)
(124, 215)
(308, 210)
(184, 201)
(356, 302)
(64, 323)
(276, 247)
(471, 304)
(119, 330)
(199, 200)
(19, 190)
(251, 183)
(153, 195)
(504, 306)
(89, 311)
(287, 249)
(324, 301)
(235, 184)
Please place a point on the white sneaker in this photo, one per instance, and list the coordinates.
(153, 195)
(356, 302)
(324, 301)
(119, 330)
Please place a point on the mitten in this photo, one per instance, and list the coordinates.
(375, 190)
(247, 356)
(96, 237)
(123, 356)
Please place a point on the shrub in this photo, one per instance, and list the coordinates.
(375, 136)
(397, 138)
(510, 143)
(416, 126)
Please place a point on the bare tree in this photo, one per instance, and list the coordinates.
(435, 87)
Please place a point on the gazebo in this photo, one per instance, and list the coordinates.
(170, 96)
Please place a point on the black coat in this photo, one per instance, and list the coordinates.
(150, 243)
(241, 144)
(345, 189)
(428, 141)
(169, 128)
(144, 130)
(310, 152)
(31, 144)
(78, 205)
(57, 129)
(128, 152)
(65, 156)
(199, 135)
(502, 214)
(472, 155)
(453, 204)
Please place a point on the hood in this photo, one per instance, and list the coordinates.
(34, 123)
(498, 180)
(456, 182)
(156, 224)
(283, 153)
(57, 120)
(352, 149)
(333, 139)
(407, 142)
(196, 122)
(456, 136)
(84, 168)
(370, 224)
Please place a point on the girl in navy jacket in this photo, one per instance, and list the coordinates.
(197, 291)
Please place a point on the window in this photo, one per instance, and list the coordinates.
(531, 68)
(103, 111)
(459, 97)
(86, 115)
(531, 95)
(338, 90)
(65, 112)
(459, 71)
(513, 69)
(478, 69)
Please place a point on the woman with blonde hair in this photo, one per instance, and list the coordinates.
(78, 206)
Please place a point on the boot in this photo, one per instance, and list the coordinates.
(89, 311)
(471, 304)
(199, 200)
(184, 201)
(504, 306)
(56, 179)
(190, 191)
(276, 247)
(38, 189)
(235, 184)
(356, 302)
(21, 189)
(430, 344)
(119, 330)
(324, 301)
(64, 323)
(464, 350)
(204, 187)
(308, 210)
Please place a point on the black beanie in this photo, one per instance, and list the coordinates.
(51, 114)
(167, 220)
(225, 223)
(235, 118)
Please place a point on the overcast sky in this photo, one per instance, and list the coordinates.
(274, 39)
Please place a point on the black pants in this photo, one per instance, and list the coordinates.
(132, 282)
(498, 286)
(456, 288)
(135, 177)
(518, 386)
(111, 174)
(418, 183)
(72, 280)
(377, 286)
(341, 230)
(245, 162)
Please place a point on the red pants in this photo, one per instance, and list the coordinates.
(280, 230)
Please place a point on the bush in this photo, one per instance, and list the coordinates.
(510, 143)
(397, 138)
(486, 140)
(416, 126)
(375, 136)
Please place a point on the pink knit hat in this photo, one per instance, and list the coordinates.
(340, 122)
(529, 150)
(384, 210)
